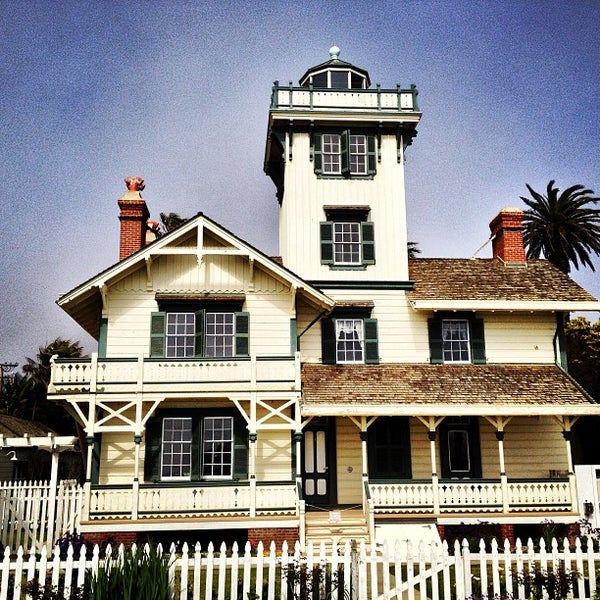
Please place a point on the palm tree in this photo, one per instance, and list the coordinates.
(39, 371)
(564, 227)
(16, 398)
(171, 220)
(413, 249)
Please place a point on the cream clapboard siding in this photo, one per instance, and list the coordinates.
(348, 462)
(117, 458)
(519, 337)
(403, 337)
(420, 453)
(130, 303)
(302, 211)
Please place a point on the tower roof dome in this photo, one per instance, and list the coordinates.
(336, 73)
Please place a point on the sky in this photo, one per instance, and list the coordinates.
(178, 93)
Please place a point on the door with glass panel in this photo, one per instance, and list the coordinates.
(318, 463)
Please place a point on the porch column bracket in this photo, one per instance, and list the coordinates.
(364, 436)
(252, 438)
(567, 434)
(148, 262)
(297, 437)
(500, 436)
(104, 295)
(137, 439)
(432, 435)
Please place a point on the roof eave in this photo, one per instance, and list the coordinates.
(508, 305)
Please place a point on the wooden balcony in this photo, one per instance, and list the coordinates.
(472, 496)
(191, 375)
(385, 101)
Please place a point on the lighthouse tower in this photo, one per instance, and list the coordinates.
(335, 151)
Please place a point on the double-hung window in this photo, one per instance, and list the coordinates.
(184, 445)
(180, 332)
(347, 239)
(349, 338)
(456, 338)
(344, 154)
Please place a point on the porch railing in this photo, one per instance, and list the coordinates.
(523, 495)
(128, 374)
(287, 97)
(202, 499)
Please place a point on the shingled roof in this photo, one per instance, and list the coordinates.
(490, 279)
(441, 389)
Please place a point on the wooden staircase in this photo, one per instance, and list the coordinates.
(339, 526)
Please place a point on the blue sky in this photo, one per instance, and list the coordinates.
(178, 93)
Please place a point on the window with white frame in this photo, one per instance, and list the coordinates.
(332, 153)
(358, 154)
(345, 154)
(455, 340)
(219, 334)
(192, 445)
(217, 447)
(347, 243)
(176, 454)
(199, 334)
(349, 337)
(181, 330)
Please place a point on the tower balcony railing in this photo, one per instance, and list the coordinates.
(89, 375)
(390, 101)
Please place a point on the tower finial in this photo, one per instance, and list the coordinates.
(334, 52)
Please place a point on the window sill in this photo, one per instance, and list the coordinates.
(344, 177)
(348, 267)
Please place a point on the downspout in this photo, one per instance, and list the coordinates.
(558, 342)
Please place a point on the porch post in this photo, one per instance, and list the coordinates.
(252, 468)
(503, 478)
(365, 463)
(567, 435)
(135, 504)
(432, 434)
(87, 486)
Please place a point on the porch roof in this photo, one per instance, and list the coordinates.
(440, 390)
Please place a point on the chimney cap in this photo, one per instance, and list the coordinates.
(134, 183)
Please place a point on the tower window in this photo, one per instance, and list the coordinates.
(344, 154)
(346, 243)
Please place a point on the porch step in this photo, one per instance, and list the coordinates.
(339, 526)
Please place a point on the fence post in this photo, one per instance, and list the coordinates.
(353, 571)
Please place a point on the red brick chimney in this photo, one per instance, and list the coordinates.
(507, 236)
(134, 216)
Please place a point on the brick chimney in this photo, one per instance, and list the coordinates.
(507, 236)
(133, 217)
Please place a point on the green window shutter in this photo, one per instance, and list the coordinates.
(317, 148)
(240, 448)
(199, 334)
(196, 474)
(157, 333)
(345, 147)
(153, 445)
(371, 155)
(328, 342)
(368, 242)
(242, 334)
(293, 336)
(436, 356)
(102, 338)
(477, 341)
(327, 243)
(371, 342)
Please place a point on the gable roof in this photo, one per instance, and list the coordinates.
(84, 302)
(441, 390)
(462, 283)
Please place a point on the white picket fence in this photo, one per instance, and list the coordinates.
(404, 572)
(31, 513)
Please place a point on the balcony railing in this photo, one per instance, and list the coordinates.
(131, 374)
(308, 99)
(199, 500)
(522, 495)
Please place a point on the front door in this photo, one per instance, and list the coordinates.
(318, 462)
